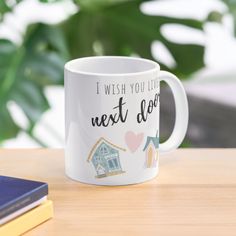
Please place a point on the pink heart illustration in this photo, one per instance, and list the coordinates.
(133, 140)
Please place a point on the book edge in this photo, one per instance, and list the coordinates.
(34, 195)
(23, 210)
(29, 220)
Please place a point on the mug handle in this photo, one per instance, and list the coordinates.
(181, 112)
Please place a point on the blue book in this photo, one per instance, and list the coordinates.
(16, 194)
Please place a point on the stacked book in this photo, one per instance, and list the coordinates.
(23, 205)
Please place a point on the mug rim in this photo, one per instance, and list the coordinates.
(155, 66)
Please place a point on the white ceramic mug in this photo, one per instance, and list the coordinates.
(112, 119)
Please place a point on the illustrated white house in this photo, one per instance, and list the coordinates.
(105, 158)
(151, 149)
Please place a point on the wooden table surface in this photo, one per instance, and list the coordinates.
(194, 194)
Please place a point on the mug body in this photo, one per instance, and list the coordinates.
(112, 120)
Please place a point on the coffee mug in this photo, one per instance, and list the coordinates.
(112, 119)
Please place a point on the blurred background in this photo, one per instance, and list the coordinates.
(193, 39)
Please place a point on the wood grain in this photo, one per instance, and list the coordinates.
(194, 194)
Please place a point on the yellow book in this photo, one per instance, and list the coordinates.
(28, 220)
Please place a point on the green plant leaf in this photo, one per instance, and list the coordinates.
(122, 29)
(7, 6)
(91, 5)
(49, 1)
(8, 128)
(4, 7)
(26, 70)
(232, 10)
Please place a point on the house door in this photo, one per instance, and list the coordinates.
(150, 157)
(100, 170)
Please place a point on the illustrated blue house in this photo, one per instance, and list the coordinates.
(105, 158)
(151, 149)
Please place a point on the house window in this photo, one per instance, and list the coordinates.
(113, 164)
(116, 163)
(104, 150)
(110, 163)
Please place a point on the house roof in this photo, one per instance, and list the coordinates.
(98, 143)
(154, 140)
